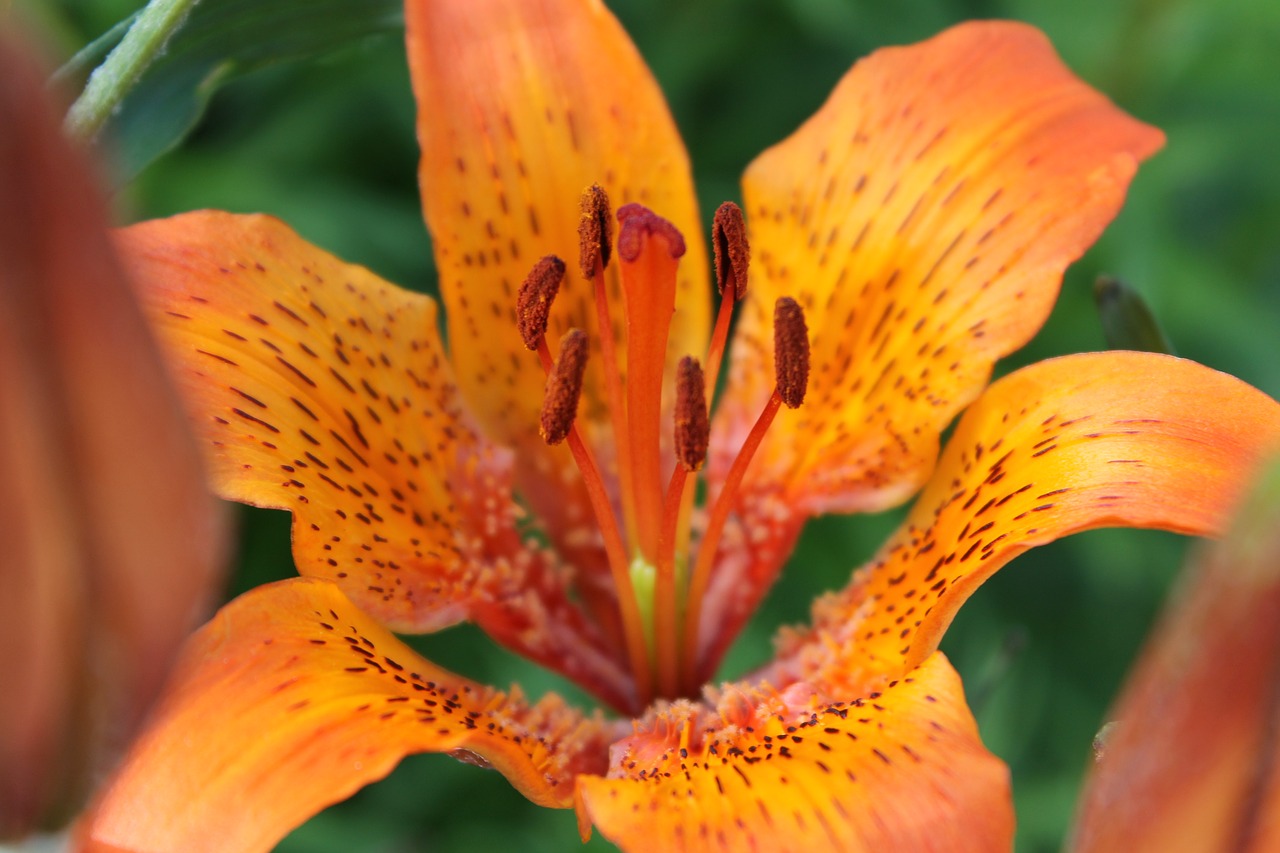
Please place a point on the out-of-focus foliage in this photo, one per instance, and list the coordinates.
(219, 41)
(328, 145)
(1127, 321)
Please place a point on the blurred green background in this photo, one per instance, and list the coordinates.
(327, 144)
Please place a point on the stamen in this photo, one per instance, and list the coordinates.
(733, 255)
(595, 232)
(559, 408)
(701, 577)
(692, 433)
(790, 351)
(533, 303)
(791, 358)
(693, 429)
(564, 387)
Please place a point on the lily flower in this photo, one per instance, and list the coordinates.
(110, 543)
(911, 233)
(1188, 764)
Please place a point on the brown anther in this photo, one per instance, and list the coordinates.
(790, 351)
(693, 429)
(595, 231)
(637, 222)
(533, 302)
(733, 253)
(564, 387)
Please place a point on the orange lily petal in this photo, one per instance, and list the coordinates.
(901, 768)
(292, 698)
(1190, 764)
(110, 545)
(522, 105)
(321, 389)
(1070, 444)
(923, 218)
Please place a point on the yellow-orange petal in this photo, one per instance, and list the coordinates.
(1190, 764)
(923, 218)
(1065, 445)
(318, 388)
(102, 493)
(523, 104)
(899, 768)
(321, 389)
(292, 698)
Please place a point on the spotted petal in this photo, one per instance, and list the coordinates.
(292, 698)
(1190, 762)
(1071, 444)
(321, 389)
(923, 217)
(522, 105)
(894, 768)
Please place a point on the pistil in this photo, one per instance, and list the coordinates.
(649, 249)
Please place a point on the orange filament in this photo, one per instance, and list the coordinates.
(544, 356)
(715, 352)
(613, 387)
(791, 380)
(615, 550)
(692, 432)
(701, 576)
(632, 627)
(665, 623)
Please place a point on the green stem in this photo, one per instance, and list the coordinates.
(109, 83)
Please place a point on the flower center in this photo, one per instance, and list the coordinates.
(659, 579)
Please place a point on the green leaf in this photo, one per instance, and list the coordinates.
(93, 53)
(1127, 322)
(221, 40)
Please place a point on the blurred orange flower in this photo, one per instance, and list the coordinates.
(110, 545)
(1189, 763)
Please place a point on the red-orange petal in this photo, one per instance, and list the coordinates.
(523, 104)
(291, 699)
(923, 218)
(110, 550)
(321, 389)
(1191, 761)
(900, 767)
(1074, 443)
